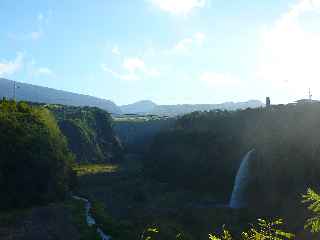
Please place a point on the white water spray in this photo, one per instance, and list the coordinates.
(90, 220)
(238, 199)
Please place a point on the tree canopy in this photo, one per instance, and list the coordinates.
(35, 163)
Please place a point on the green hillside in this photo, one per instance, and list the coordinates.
(35, 163)
(89, 133)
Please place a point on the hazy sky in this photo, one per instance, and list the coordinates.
(168, 51)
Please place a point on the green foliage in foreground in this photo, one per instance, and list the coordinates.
(263, 230)
(313, 199)
(35, 162)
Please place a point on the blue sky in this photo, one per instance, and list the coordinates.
(168, 51)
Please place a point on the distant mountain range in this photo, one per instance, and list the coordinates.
(33, 93)
(144, 106)
(149, 107)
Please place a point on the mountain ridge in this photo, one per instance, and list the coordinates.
(180, 109)
(141, 106)
(40, 94)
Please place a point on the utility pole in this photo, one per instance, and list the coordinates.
(310, 95)
(14, 90)
(268, 102)
(15, 87)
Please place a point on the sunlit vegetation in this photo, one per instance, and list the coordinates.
(263, 229)
(138, 118)
(91, 169)
(313, 199)
(35, 163)
(89, 133)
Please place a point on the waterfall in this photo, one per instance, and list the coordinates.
(238, 199)
(90, 220)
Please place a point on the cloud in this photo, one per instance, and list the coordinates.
(133, 64)
(8, 68)
(42, 20)
(290, 50)
(135, 69)
(214, 79)
(184, 45)
(35, 70)
(36, 35)
(127, 77)
(115, 50)
(199, 38)
(44, 71)
(187, 44)
(302, 7)
(179, 6)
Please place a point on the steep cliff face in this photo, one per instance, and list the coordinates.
(89, 133)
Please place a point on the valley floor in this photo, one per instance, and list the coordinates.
(136, 204)
(125, 204)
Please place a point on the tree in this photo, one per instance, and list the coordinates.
(35, 163)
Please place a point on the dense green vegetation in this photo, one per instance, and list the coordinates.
(201, 153)
(137, 132)
(188, 172)
(204, 150)
(182, 187)
(35, 163)
(263, 229)
(89, 133)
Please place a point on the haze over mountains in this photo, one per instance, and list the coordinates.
(149, 107)
(33, 93)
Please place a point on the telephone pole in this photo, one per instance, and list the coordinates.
(14, 90)
(310, 95)
(14, 93)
